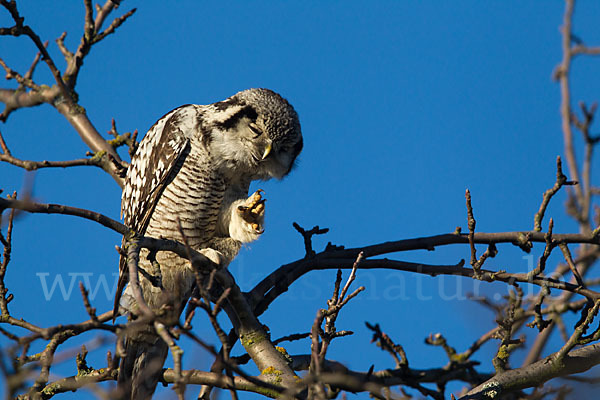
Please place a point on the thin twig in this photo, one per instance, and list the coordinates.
(561, 180)
(471, 224)
(86, 302)
(550, 245)
(35, 165)
(567, 253)
(307, 236)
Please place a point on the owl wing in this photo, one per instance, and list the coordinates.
(153, 166)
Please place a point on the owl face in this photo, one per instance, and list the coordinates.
(261, 136)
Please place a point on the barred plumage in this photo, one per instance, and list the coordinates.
(194, 167)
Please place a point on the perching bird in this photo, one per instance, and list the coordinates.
(194, 168)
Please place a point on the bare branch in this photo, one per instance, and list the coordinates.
(114, 25)
(550, 245)
(61, 94)
(23, 81)
(133, 255)
(561, 180)
(20, 29)
(562, 75)
(4, 146)
(387, 344)
(90, 37)
(565, 250)
(34, 165)
(589, 313)
(577, 361)
(471, 224)
(40, 208)
(307, 236)
(86, 302)
(582, 49)
(177, 353)
(60, 41)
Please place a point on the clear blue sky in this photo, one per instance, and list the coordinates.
(403, 105)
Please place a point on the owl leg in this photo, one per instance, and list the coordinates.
(215, 256)
(247, 218)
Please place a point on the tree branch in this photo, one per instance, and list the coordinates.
(533, 375)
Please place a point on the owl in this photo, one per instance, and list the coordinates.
(192, 171)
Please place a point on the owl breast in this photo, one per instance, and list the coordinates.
(192, 198)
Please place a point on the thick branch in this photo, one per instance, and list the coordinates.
(518, 238)
(284, 275)
(533, 375)
(77, 117)
(14, 99)
(252, 333)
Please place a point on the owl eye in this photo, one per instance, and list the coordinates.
(255, 129)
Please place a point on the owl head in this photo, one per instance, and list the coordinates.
(259, 136)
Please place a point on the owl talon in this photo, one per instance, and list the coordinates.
(253, 211)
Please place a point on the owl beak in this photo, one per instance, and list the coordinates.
(268, 149)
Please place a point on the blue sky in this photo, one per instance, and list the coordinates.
(403, 105)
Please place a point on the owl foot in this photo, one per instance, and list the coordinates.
(215, 256)
(253, 211)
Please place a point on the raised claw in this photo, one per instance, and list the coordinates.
(253, 212)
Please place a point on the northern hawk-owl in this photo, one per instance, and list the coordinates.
(193, 169)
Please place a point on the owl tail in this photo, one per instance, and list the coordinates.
(141, 368)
